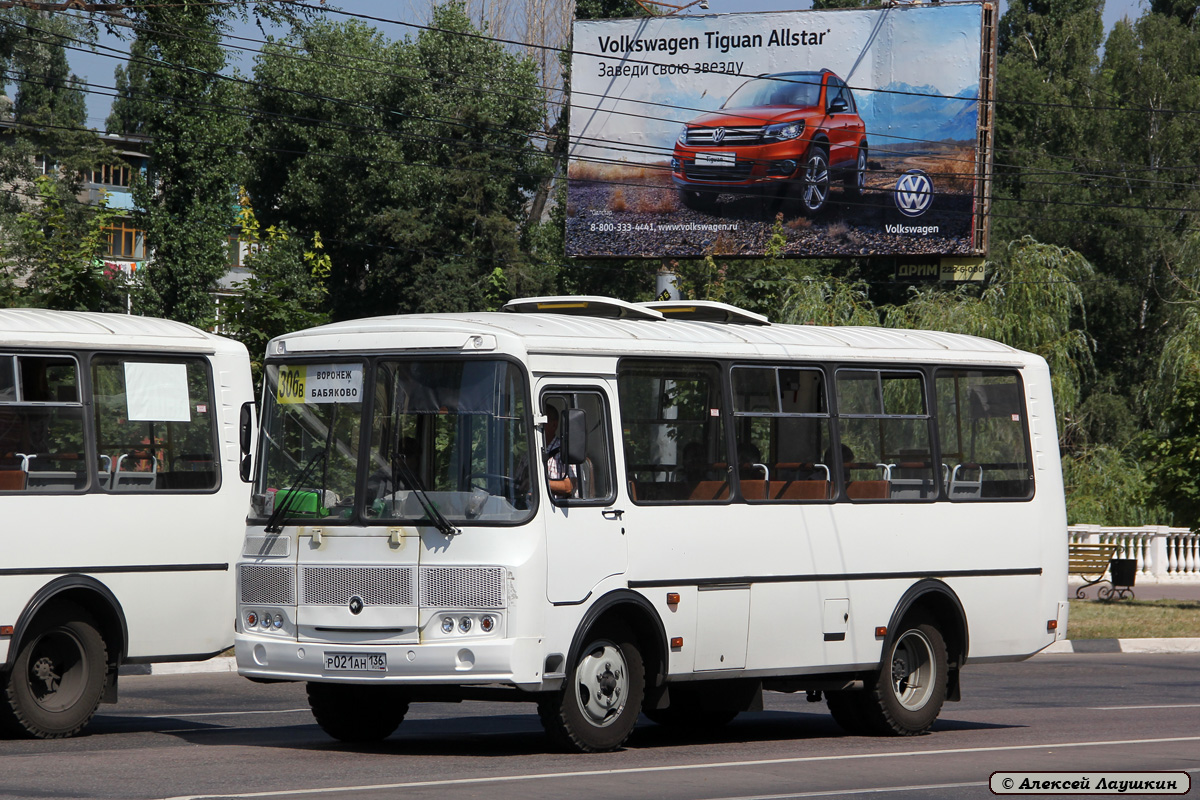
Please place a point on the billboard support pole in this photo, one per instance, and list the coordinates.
(666, 285)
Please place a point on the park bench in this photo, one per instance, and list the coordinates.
(1091, 562)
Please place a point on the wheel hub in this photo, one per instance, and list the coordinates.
(43, 672)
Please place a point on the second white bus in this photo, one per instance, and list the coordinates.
(853, 513)
(123, 505)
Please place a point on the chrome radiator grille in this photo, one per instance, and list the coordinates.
(264, 584)
(462, 587)
(729, 136)
(377, 586)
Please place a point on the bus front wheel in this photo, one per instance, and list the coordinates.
(596, 709)
(57, 679)
(355, 712)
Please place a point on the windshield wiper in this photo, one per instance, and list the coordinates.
(293, 492)
(444, 526)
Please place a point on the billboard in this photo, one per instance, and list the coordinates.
(866, 131)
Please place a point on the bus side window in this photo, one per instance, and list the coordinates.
(671, 426)
(155, 424)
(593, 478)
(984, 436)
(41, 424)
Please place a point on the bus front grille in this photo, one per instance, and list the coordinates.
(267, 585)
(377, 586)
(462, 587)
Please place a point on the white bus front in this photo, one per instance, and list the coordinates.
(389, 525)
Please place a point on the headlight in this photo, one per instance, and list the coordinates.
(464, 624)
(447, 624)
(782, 131)
(682, 138)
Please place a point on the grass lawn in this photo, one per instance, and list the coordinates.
(1133, 619)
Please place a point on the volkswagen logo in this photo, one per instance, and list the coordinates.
(914, 193)
(718, 135)
(356, 605)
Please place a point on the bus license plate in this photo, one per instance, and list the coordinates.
(356, 662)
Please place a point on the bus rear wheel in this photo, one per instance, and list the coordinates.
(57, 679)
(357, 713)
(596, 709)
(907, 694)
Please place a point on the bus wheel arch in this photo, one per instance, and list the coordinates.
(935, 600)
(63, 663)
(618, 653)
(89, 594)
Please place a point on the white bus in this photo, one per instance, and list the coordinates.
(854, 513)
(122, 501)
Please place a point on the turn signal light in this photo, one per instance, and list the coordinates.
(677, 642)
(1051, 625)
(6, 630)
(672, 598)
(881, 631)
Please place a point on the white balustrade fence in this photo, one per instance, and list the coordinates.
(1162, 553)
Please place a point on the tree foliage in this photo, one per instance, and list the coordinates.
(286, 290)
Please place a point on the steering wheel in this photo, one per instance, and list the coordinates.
(508, 479)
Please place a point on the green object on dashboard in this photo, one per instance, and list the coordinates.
(301, 502)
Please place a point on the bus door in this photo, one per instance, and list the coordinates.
(585, 538)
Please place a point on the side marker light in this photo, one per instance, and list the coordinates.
(672, 598)
(676, 642)
(1051, 625)
(881, 631)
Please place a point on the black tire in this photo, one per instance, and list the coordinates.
(814, 185)
(57, 679)
(698, 201)
(909, 691)
(597, 707)
(357, 713)
(856, 179)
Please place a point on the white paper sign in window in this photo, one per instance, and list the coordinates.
(157, 392)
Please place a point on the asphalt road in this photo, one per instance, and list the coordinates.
(218, 735)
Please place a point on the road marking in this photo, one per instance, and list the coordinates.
(682, 767)
(1139, 708)
(841, 792)
(217, 714)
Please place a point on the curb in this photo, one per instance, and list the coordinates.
(1070, 646)
(219, 664)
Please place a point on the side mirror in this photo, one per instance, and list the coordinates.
(838, 105)
(246, 439)
(573, 431)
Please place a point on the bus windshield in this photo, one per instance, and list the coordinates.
(446, 439)
(454, 433)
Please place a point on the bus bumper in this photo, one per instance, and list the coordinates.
(510, 661)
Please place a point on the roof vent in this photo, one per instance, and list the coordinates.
(706, 311)
(582, 306)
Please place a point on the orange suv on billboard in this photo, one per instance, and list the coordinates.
(788, 130)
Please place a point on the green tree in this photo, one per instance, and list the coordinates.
(286, 290)
(1175, 455)
(179, 99)
(59, 250)
(432, 157)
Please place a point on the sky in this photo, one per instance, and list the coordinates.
(97, 67)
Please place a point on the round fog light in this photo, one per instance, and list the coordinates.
(464, 624)
(447, 624)
(486, 624)
(278, 621)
